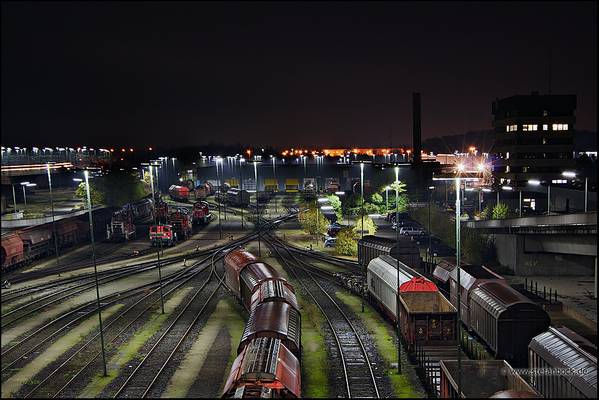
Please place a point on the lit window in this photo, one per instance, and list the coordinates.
(535, 127)
(511, 128)
(507, 128)
(507, 168)
(544, 141)
(565, 126)
(507, 155)
(530, 127)
(545, 113)
(560, 127)
(525, 127)
(545, 127)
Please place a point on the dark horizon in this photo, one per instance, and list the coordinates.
(282, 74)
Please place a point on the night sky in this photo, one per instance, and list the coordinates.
(323, 74)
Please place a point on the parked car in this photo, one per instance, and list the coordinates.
(330, 241)
(412, 231)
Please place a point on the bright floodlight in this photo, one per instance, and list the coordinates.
(78, 179)
(569, 174)
(481, 167)
(25, 183)
(31, 184)
(431, 187)
(507, 187)
(534, 182)
(469, 189)
(327, 208)
(323, 200)
(461, 167)
(339, 193)
(487, 190)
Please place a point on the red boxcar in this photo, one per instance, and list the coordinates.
(234, 262)
(277, 320)
(273, 290)
(265, 368)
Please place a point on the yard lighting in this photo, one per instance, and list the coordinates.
(569, 174)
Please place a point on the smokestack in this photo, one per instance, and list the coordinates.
(416, 132)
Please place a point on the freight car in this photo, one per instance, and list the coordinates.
(560, 348)
(291, 185)
(505, 320)
(265, 368)
(201, 213)
(28, 244)
(426, 316)
(161, 212)
(272, 335)
(179, 193)
(238, 197)
(483, 379)
(370, 247)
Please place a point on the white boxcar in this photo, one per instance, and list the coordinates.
(381, 276)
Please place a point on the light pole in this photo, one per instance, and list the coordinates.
(257, 220)
(159, 247)
(430, 199)
(23, 184)
(387, 197)
(362, 195)
(397, 259)
(274, 174)
(460, 176)
(220, 229)
(571, 174)
(91, 231)
(241, 189)
(508, 188)
(14, 200)
(53, 221)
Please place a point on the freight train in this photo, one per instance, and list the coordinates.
(269, 354)
(25, 245)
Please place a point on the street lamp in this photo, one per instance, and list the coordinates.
(428, 251)
(397, 259)
(387, 197)
(572, 174)
(53, 221)
(257, 220)
(362, 194)
(220, 198)
(91, 231)
(461, 176)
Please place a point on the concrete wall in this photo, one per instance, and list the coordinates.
(512, 252)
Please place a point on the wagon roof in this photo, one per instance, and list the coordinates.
(562, 348)
(470, 274)
(426, 302)
(386, 243)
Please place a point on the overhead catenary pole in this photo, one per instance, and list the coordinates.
(362, 194)
(586, 195)
(91, 230)
(219, 200)
(14, 200)
(241, 190)
(159, 247)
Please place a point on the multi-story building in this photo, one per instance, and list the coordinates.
(534, 138)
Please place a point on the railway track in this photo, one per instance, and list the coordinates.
(52, 382)
(357, 372)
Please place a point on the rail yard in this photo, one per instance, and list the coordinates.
(191, 307)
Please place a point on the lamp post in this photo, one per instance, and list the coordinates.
(91, 231)
(397, 259)
(507, 188)
(220, 229)
(241, 188)
(428, 251)
(14, 200)
(387, 197)
(23, 184)
(274, 174)
(159, 247)
(53, 221)
(460, 176)
(257, 220)
(362, 195)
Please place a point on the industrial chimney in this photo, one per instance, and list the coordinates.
(416, 131)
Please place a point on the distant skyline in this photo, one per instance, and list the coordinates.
(171, 74)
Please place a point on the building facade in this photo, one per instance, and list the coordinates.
(534, 138)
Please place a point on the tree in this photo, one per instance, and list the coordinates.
(313, 221)
(377, 198)
(115, 189)
(369, 227)
(96, 196)
(486, 213)
(335, 202)
(500, 211)
(346, 243)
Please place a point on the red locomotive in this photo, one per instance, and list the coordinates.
(204, 190)
(269, 352)
(161, 212)
(181, 224)
(179, 193)
(162, 235)
(201, 213)
(121, 226)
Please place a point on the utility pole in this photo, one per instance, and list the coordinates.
(397, 259)
(53, 220)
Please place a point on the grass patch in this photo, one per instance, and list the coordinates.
(383, 336)
(235, 323)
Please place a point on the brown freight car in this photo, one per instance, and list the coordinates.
(273, 290)
(274, 319)
(12, 251)
(427, 318)
(483, 379)
(234, 262)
